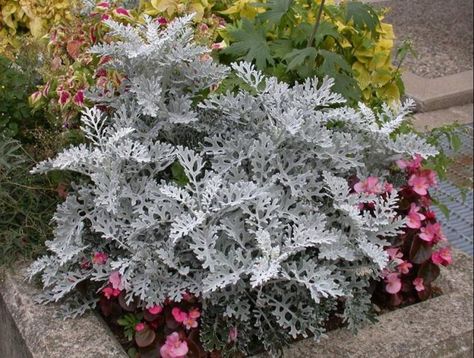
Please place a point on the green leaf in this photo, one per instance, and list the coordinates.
(281, 47)
(275, 10)
(179, 176)
(362, 15)
(298, 58)
(250, 44)
(325, 29)
(333, 63)
(443, 208)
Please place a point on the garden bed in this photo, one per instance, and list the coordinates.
(440, 327)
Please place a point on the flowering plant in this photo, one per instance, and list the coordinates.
(245, 200)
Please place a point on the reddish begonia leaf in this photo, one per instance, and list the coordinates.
(428, 272)
(145, 337)
(420, 251)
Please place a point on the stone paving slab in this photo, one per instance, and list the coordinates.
(439, 93)
(441, 31)
(429, 120)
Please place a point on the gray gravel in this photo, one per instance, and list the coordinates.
(441, 31)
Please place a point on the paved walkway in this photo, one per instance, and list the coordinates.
(441, 31)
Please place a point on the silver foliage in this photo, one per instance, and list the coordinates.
(266, 218)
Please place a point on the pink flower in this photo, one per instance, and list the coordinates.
(394, 253)
(432, 233)
(411, 165)
(100, 258)
(64, 98)
(139, 327)
(430, 176)
(393, 283)
(174, 347)
(110, 292)
(232, 337)
(419, 184)
(404, 267)
(122, 11)
(178, 315)
(116, 280)
(191, 320)
(388, 188)
(414, 217)
(155, 309)
(370, 186)
(442, 257)
(418, 283)
(79, 98)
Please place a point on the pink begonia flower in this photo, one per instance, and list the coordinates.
(432, 233)
(110, 292)
(100, 258)
(192, 317)
(178, 315)
(116, 280)
(122, 11)
(79, 98)
(64, 98)
(388, 188)
(430, 176)
(393, 283)
(174, 347)
(404, 267)
(394, 253)
(442, 257)
(155, 309)
(414, 217)
(411, 165)
(139, 327)
(370, 186)
(419, 184)
(418, 283)
(232, 337)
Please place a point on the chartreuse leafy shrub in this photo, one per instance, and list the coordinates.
(34, 18)
(236, 220)
(295, 40)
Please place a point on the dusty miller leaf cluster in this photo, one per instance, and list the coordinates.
(266, 231)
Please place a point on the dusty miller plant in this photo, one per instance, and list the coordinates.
(265, 229)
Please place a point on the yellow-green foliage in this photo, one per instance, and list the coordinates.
(368, 51)
(30, 17)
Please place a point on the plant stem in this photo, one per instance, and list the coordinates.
(316, 24)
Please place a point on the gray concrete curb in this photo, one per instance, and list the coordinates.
(432, 94)
(441, 327)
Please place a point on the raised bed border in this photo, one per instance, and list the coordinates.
(440, 327)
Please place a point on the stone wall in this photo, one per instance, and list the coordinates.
(440, 327)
